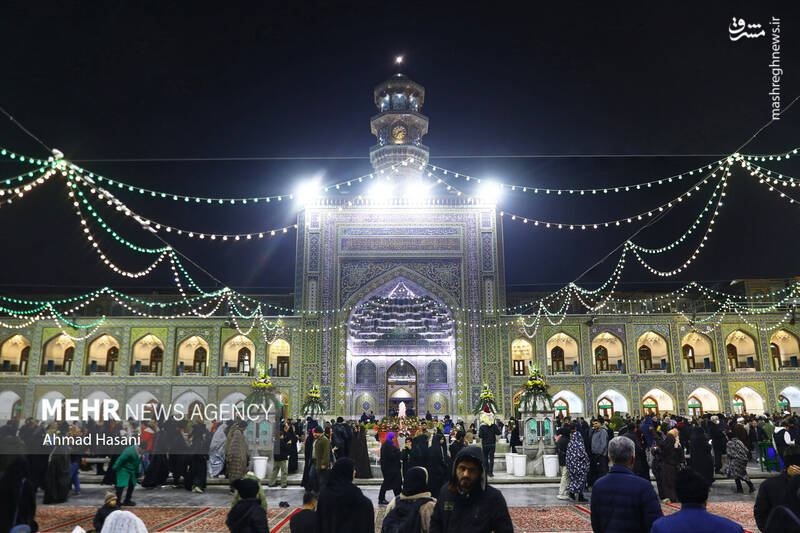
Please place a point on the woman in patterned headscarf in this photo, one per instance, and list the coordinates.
(737, 462)
(577, 465)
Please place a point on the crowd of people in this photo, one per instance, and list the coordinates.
(438, 478)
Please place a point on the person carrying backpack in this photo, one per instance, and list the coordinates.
(411, 511)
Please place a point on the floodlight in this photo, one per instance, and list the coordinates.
(489, 192)
(308, 192)
(381, 191)
(417, 190)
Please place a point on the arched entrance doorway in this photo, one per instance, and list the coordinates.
(739, 405)
(605, 406)
(400, 336)
(695, 407)
(650, 406)
(747, 401)
(561, 407)
(401, 386)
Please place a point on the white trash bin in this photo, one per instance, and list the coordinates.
(260, 467)
(551, 465)
(509, 463)
(520, 464)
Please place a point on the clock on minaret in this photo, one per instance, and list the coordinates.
(399, 126)
(399, 133)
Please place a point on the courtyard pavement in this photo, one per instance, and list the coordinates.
(533, 508)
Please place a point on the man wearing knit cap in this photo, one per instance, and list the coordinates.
(414, 506)
(247, 515)
(109, 506)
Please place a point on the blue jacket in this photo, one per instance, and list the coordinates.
(622, 502)
(693, 518)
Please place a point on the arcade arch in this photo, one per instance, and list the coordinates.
(562, 354)
(148, 355)
(657, 401)
(611, 401)
(791, 397)
(784, 350)
(696, 353)
(193, 356)
(700, 401)
(58, 355)
(10, 406)
(608, 353)
(521, 357)
(740, 349)
(748, 401)
(652, 353)
(567, 403)
(103, 354)
(279, 354)
(237, 356)
(15, 354)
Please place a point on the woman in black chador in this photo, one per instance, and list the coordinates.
(437, 463)
(198, 460)
(177, 449)
(292, 440)
(359, 453)
(158, 470)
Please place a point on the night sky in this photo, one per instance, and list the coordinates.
(169, 81)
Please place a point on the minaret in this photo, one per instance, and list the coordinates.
(399, 126)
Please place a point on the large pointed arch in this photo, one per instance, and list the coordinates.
(401, 273)
(419, 336)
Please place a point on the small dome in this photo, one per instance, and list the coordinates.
(399, 83)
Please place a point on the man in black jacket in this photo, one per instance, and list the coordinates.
(565, 432)
(488, 434)
(340, 436)
(281, 457)
(247, 516)
(774, 491)
(468, 504)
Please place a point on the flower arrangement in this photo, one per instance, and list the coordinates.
(396, 424)
(313, 405)
(486, 401)
(263, 391)
(535, 389)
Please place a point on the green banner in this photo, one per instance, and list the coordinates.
(650, 405)
(561, 407)
(783, 404)
(604, 407)
(694, 405)
(738, 404)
